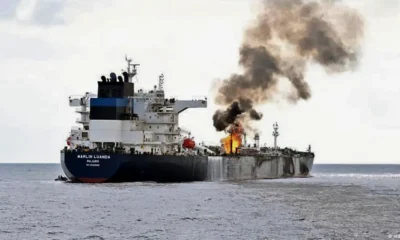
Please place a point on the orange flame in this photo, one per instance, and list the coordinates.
(234, 139)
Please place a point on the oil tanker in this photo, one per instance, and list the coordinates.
(126, 135)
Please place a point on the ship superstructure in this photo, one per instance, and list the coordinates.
(128, 120)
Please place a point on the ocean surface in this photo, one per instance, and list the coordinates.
(338, 202)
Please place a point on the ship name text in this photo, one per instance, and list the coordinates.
(93, 160)
(94, 156)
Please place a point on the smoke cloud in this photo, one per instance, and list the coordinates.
(287, 35)
(222, 119)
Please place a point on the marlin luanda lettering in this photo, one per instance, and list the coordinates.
(94, 156)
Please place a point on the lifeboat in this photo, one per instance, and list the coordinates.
(188, 143)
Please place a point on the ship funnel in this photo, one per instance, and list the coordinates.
(113, 77)
(125, 74)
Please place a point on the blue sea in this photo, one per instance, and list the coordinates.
(337, 202)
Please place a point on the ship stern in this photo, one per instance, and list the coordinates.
(89, 167)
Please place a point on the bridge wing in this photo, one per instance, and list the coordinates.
(182, 105)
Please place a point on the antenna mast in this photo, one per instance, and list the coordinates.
(161, 82)
(131, 72)
(275, 133)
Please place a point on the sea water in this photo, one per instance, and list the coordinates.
(338, 202)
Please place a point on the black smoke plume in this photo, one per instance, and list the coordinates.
(222, 119)
(286, 36)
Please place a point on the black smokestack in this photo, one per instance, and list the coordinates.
(286, 36)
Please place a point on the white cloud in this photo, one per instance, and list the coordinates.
(350, 118)
(25, 10)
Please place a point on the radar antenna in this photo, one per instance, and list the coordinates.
(131, 72)
(275, 133)
(161, 82)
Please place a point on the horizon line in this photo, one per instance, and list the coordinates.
(313, 164)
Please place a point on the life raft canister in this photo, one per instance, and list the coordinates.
(69, 141)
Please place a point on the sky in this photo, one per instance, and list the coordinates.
(51, 49)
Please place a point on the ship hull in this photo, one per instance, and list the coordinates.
(99, 167)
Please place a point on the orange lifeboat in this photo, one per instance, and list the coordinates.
(188, 143)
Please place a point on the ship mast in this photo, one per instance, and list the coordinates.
(161, 82)
(131, 72)
(275, 133)
(257, 140)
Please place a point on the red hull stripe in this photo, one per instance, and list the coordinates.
(92, 180)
